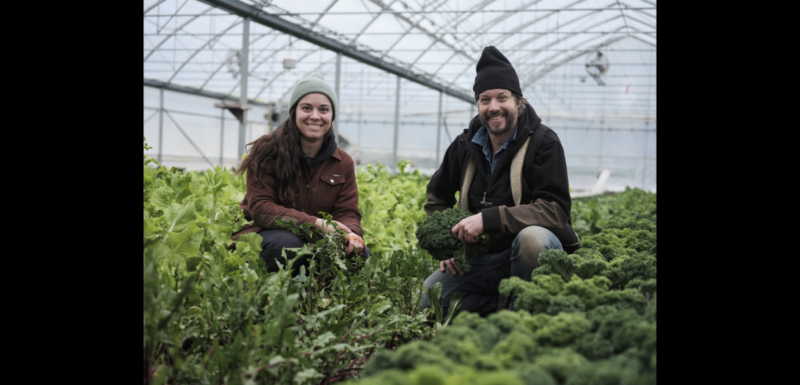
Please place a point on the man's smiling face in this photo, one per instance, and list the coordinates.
(498, 110)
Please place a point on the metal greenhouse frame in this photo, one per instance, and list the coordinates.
(395, 61)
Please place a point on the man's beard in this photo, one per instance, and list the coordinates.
(510, 121)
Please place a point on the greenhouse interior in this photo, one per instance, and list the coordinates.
(218, 74)
(378, 261)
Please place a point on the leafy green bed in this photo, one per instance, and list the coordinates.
(586, 318)
(213, 314)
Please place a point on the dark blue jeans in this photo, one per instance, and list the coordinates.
(275, 240)
(479, 285)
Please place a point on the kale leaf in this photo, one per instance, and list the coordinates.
(434, 236)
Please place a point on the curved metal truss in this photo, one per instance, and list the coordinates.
(435, 43)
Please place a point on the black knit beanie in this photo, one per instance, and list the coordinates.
(495, 71)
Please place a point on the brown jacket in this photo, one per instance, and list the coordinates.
(331, 189)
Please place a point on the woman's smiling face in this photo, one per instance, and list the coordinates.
(314, 114)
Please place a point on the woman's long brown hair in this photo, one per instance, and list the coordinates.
(278, 153)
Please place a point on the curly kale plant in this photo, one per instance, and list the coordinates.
(582, 318)
(434, 236)
(605, 345)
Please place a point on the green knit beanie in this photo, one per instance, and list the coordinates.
(313, 83)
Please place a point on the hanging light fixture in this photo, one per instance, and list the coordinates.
(289, 63)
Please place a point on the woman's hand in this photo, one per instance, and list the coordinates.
(318, 225)
(343, 227)
(354, 241)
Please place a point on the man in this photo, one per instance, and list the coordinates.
(509, 170)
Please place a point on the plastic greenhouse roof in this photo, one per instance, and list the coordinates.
(196, 43)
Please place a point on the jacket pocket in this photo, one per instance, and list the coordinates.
(329, 190)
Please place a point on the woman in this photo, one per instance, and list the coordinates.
(298, 171)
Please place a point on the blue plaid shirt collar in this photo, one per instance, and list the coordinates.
(482, 138)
